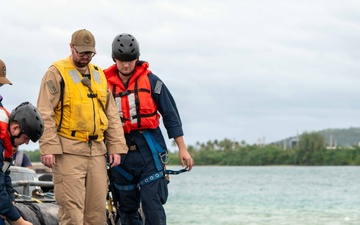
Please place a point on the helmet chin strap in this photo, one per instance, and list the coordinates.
(12, 137)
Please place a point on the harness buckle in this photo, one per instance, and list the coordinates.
(91, 138)
(91, 95)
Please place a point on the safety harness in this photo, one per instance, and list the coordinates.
(160, 158)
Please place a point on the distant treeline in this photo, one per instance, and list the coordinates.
(310, 149)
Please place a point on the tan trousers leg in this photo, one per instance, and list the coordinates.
(80, 188)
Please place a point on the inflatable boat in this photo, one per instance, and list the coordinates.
(33, 196)
(35, 200)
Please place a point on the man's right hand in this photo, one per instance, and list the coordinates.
(48, 160)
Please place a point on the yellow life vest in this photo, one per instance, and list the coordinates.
(80, 114)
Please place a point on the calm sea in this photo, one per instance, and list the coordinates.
(270, 195)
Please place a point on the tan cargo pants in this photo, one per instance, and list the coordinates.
(80, 188)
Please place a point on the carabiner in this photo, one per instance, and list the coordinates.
(164, 157)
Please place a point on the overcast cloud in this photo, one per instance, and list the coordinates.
(242, 70)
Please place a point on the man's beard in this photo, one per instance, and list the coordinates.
(80, 64)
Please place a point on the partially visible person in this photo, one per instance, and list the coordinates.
(6, 190)
(24, 124)
(79, 113)
(141, 97)
(3, 79)
(4, 134)
(20, 158)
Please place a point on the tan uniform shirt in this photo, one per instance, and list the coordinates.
(52, 143)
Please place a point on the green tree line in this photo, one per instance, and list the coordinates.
(310, 149)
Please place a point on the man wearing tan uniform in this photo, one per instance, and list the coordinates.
(79, 113)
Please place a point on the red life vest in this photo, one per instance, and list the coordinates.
(4, 134)
(136, 107)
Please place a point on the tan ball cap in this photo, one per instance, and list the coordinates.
(3, 79)
(84, 41)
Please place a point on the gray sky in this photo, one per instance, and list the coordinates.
(242, 70)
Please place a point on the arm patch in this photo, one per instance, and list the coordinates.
(51, 86)
(158, 87)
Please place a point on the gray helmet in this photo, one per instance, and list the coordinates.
(125, 47)
(30, 120)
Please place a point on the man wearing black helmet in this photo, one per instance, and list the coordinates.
(24, 124)
(141, 97)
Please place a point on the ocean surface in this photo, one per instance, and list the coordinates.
(268, 195)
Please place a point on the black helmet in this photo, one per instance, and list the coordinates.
(30, 120)
(125, 47)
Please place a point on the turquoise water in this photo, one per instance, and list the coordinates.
(274, 195)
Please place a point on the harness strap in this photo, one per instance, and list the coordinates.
(114, 91)
(127, 92)
(125, 187)
(175, 172)
(148, 180)
(127, 175)
(138, 117)
(151, 178)
(62, 85)
(137, 102)
(143, 182)
(158, 154)
(156, 150)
